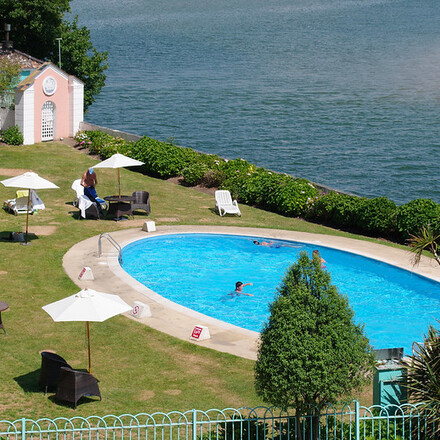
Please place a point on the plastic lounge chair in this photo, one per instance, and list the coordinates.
(72, 385)
(21, 206)
(50, 369)
(225, 204)
(142, 201)
(18, 206)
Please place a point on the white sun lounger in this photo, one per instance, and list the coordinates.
(225, 204)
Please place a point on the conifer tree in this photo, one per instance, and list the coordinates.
(311, 351)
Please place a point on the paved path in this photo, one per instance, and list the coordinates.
(179, 321)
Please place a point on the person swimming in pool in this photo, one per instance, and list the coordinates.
(316, 254)
(272, 244)
(239, 289)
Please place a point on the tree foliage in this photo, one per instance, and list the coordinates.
(9, 74)
(423, 378)
(426, 240)
(36, 25)
(81, 59)
(311, 352)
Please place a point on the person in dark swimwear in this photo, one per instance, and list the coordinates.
(239, 289)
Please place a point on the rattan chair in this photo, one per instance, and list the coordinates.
(50, 369)
(142, 201)
(72, 385)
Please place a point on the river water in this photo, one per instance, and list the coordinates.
(345, 93)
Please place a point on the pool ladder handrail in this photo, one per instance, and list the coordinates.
(113, 242)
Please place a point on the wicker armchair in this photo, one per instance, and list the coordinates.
(72, 385)
(142, 201)
(50, 369)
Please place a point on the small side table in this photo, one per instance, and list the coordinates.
(119, 206)
(3, 306)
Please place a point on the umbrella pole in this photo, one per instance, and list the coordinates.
(119, 184)
(88, 347)
(27, 216)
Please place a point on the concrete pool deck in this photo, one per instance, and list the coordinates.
(179, 321)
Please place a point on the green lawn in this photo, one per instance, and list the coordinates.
(140, 370)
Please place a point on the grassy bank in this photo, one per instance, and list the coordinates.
(140, 370)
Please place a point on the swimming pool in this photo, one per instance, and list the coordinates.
(199, 270)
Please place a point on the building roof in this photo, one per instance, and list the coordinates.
(29, 80)
(26, 61)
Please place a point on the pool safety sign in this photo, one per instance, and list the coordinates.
(140, 310)
(200, 333)
(86, 274)
(149, 226)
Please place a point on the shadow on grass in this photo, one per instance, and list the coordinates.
(29, 382)
(16, 237)
(82, 400)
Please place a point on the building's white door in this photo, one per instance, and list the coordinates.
(47, 121)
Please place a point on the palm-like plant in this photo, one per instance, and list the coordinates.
(423, 379)
(427, 240)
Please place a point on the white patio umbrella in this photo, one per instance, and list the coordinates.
(87, 305)
(29, 181)
(119, 161)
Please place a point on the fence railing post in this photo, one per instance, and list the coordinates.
(356, 420)
(23, 429)
(194, 424)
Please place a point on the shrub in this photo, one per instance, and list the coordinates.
(12, 136)
(376, 216)
(371, 216)
(163, 159)
(293, 196)
(194, 174)
(423, 372)
(335, 209)
(213, 178)
(412, 216)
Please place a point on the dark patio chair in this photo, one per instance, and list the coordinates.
(142, 201)
(72, 385)
(50, 369)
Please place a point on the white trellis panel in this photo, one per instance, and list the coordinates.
(47, 121)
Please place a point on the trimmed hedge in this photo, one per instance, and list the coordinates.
(272, 191)
(411, 216)
(369, 216)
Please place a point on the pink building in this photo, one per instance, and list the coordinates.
(49, 103)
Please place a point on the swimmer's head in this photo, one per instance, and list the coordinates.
(255, 242)
(91, 171)
(315, 252)
(238, 284)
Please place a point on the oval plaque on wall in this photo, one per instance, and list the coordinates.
(49, 85)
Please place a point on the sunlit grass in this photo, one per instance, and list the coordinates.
(140, 369)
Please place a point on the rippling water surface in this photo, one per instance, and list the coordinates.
(199, 271)
(343, 92)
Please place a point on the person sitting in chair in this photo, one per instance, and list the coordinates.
(89, 181)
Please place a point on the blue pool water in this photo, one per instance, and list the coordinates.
(199, 270)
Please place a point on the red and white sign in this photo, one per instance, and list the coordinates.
(200, 333)
(86, 274)
(140, 310)
(135, 311)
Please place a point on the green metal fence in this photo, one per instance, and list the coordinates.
(261, 423)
